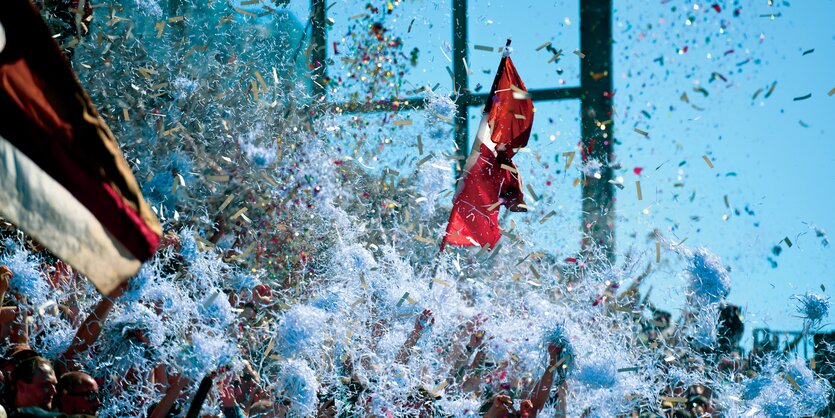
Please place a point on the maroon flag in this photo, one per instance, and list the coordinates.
(491, 179)
(63, 179)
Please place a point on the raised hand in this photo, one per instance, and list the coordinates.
(424, 320)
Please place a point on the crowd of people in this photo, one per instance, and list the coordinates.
(353, 330)
(36, 386)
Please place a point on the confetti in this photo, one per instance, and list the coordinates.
(569, 158)
(707, 160)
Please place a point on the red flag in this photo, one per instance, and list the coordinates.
(63, 179)
(490, 177)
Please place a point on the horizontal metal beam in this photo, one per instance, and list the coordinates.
(466, 99)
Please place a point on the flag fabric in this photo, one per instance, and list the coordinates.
(490, 179)
(63, 179)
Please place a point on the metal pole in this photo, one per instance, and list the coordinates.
(460, 78)
(598, 220)
(318, 51)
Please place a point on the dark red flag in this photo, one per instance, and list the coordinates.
(490, 178)
(63, 179)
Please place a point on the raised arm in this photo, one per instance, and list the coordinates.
(164, 405)
(542, 390)
(423, 320)
(89, 330)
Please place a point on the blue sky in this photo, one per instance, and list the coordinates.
(764, 158)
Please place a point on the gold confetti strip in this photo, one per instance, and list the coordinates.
(657, 252)
(493, 206)
(72, 43)
(533, 270)
(269, 179)
(770, 90)
(254, 88)
(518, 116)
(642, 132)
(516, 276)
(237, 214)
(579, 54)
(440, 282)
(483, 48)
(250, 2)
(125, 114)
(261, 81)
(269, 346)
(420, 145)
(533, 194)
(226, 203)
(359, 16)
(682, 242)
(570, 158)
(508, 168)
(707, 160)
(546, 44)
(423, 160)
(576, 182)
(793, 382)
(423, 239)
(508, 234)
(444, 118)
(638, 189)
(176, 19)
(221, 178)
(244, 12)
(439, 388)
(684, 98)
(831, 92)
(363, 282)
(547, 216)
(401, 122)
(673, 399)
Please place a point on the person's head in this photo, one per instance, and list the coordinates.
(33, 382)
(77, 393)
(14, 355)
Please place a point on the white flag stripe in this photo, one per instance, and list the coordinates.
(29, 197)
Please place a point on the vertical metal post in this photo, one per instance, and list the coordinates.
(318, 52)
(598, 220)
(460, 77)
